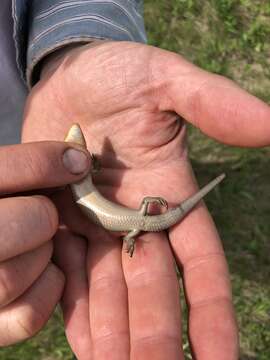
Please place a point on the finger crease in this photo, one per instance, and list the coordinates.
(111, 336)
(199, 260)
(104, 281)
(145, 278)
(210, 301)
(160, 338)
(26, 330)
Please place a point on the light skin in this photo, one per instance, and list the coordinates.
(129, 100)
(28, 224)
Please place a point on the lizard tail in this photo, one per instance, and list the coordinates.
(189, 204)
(176, 214)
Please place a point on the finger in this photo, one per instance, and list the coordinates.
(28, 314)
(108, 308)
(70, 252)
(19, 273)
(214, 104)
(41, 165)
(26, 223)
(108, 313)
(153, 295)
(198, 250)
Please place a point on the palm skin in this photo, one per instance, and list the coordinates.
(129, 100)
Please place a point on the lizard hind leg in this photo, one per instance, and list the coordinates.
(151, 200)
(130, 237)
(130, 241)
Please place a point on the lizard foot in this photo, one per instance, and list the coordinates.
(130, 241)
(130, 247)
(150, 200)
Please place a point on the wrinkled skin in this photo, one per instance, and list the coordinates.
(126, 98)
(28, 224)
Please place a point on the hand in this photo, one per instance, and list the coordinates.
(126, 97)
(30, 285)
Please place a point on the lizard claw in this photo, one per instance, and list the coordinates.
(131, 250)
(158, 200)
(130, 247)
(163, 202)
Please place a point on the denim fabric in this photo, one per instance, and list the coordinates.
(20, 15)
(51, 24)
(12, 88)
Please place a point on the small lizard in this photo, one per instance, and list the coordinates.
(115, 217)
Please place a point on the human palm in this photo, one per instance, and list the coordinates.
(130, 100)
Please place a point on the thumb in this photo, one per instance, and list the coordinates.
(216, 105)
(41, 165)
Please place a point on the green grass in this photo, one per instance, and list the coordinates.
(241, 211)
(229, 37)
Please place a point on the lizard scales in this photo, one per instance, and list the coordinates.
(115, 217)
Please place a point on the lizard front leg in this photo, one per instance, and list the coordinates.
(151, 200)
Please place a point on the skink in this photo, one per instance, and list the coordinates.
(115, 217)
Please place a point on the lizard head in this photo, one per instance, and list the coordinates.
(75, 135)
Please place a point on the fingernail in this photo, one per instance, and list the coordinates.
(75, 161)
